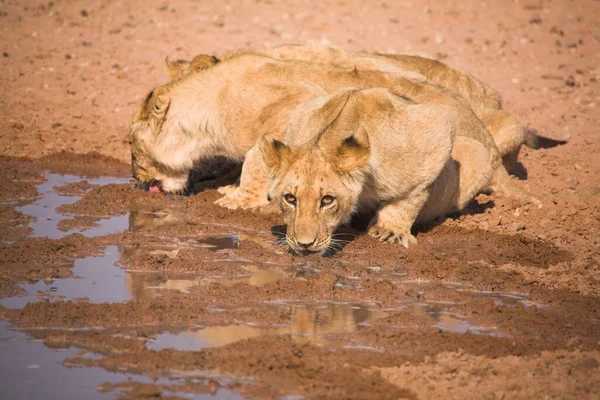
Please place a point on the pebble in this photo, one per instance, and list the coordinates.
(374, 269)
(342, 283)
(306, 272)
(586, 364)
(495, 220)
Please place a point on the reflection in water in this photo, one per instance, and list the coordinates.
(98, 279)
(152, 221)
(307, 323)
(510, 299)
(316, 324)
(47, 218)
(30, 370)
(256, 276)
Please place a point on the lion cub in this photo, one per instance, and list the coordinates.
(359, 148)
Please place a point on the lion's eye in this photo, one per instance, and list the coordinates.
(327, 200)
(157, 107)
(290, 199)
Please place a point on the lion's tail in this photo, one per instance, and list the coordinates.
(535, 141)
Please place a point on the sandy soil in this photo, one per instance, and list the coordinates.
(501, 301)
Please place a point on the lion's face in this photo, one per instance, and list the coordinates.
(318, 184)
(315, 200)
(162, 152)
(150, 162)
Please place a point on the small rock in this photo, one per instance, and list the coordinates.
(84, 13)
(556, 31)
(374, 269)
(520, 228)
(573, 342)
(306, 272)
(68, 56)
(586, 364)
(56, 125)
(570, 82)
(495, 220)
(535, 21)
(5, 54)
(401, 271)
(343, 283)
(569, 211)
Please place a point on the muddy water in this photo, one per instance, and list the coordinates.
(30, 370)
(170, 295)
(95, 279)
(307, 326)
(47, 218)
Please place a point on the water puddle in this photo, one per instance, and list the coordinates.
(48, 219)
(307, 323)
(256, 277)
(148, 223)
(511, 299)
(319, 323)
(97, 279)
(30, 370)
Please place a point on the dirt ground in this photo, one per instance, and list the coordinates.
(174, 297)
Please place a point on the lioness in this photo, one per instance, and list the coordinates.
(506, 128)
(362, 148)
(226, 106)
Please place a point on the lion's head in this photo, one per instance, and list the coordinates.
(160, 157)
(318, 183)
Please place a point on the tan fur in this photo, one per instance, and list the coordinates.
(366, 147)
(179, 68)
(506, 128)
(225, 109)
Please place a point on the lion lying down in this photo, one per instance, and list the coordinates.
(223, 107)
(359, 149)
(226, 106)
(508, 132)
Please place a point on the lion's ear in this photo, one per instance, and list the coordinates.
(203, 62)
(179, 68)
(274, 153)
(158, 103)
(345, 142)
(176, 68)
(352, 153)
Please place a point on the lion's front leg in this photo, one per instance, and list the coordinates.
(254, 185)
(393, 222)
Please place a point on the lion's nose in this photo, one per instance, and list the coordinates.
(306, 245)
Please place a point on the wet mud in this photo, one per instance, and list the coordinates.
(146, 295)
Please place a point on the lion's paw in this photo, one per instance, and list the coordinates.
(225, 190)
(228, 202)
(387, 234)
(235, 200)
